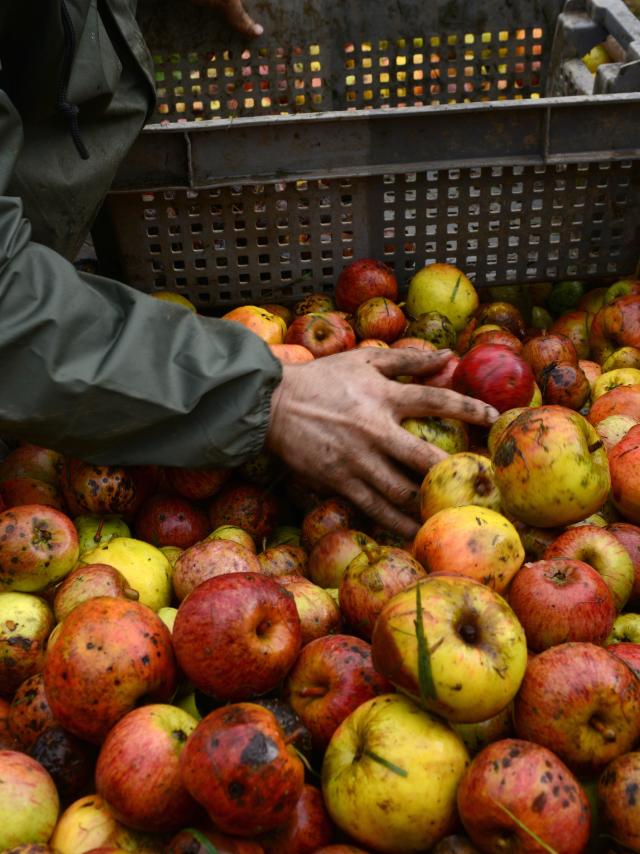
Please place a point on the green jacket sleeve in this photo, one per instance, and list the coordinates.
(96, 369)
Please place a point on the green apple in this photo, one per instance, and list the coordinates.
(449, 434)
(285, 535)
(445, 289)
(168, 616)
(626, 629)
(98, 530)
(390, 775)
(172, 553)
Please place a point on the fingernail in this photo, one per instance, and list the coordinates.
(446, 352)
(258, 29)
(492, 413)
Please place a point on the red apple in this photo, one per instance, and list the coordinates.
(522, 792)
(416, 343)
(88, 582)
(246, 506)
(30, 713)
(561, 600)
(546, 348)
(118, 490)
(624, 465)
(363, 279)
(591, 370)
(332, 553)
(380, 318)
(108, 654)
(629, 536)
(502, 314)
(332, 676)
(615, 325)
(138, 769)
(581, 702)
(372, 342)
(321, 333)
(207, 560)
(618, 801)
(292, 354)
(444, 377)
(564, 384)
(32, 461)
(238, 766)
(574, 325)
(623, 400)
(7, 740)
(28, 490)
(330, 515)
(236, 636)
(627, 652)
(496, 336)
(171, 520)
(308, 829)
(196, 484)
(318, 610)
(283, 559)
(38, 546)
(495, 374)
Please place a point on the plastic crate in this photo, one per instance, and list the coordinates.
(408, 131)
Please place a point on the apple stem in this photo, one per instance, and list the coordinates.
(605, 731)
(313, 691)
(595, 446)
(98, 534)
(132, 594)
(294, 736)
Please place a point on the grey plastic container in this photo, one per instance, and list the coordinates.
(407, 131)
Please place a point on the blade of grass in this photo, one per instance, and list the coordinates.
(425, 676)
(207, 844)
(524, 827)
(401, 772)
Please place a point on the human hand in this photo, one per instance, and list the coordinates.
(236, 15)
(337, 421)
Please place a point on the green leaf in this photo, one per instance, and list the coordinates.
(207, 844)
(425, 676)
(401, 772)
(455, 289)
(524, 827)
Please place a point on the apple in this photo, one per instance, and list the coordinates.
(87, 582)
(138, 769)
(28, 490)
(331, 677)
(433, 328)
(622, 288)
(550, 467)
(322, 333)
(615, 378)
(329, 515)
(624, 464)
(332, 553)
(591, 370)
(626, 628)
(261, 469)
(314, 302)
(504, 314)
(308, 829)
(478, 735)
(109, 653)
(30, 713)
(295, 732)
(624, 357)
(207, 560)
(29, 803)
(96, 530)
(380, 318)
(266, 325)
(629, 536)
(562, 600)
(586, 714)
(201, 841)
(449, 434)
(627, 652)
(464, 478)
(442, 288)
(460, 632)
(618, 802)
(282, 560)
(416, 343)
(546, 348)
(485, 335)
(390, 774)
(473, 541)
(172, 553)
(372, 342)
(340, 849)
(234, 533)
(7, 740)
(38, 546)
(615, 325)
(593, 300)
(574, 325)
(25, 624)
(624, 400)
(500, 425)
(523, 793)
(363, 279)
(292, 354)
(495, 374)
(171, 520)
(282, 311)
(319, 613)
(564, 384)
(144, 566)
(535, 541)
(32, 461)
(247, 506)
(444, 377)
(196, 484)
(109, 490)
(614, 428)
(236, 636)
(372, 578)
(238, 766)
(69, 760)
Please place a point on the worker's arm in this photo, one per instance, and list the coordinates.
(94, 368)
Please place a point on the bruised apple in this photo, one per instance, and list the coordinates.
(209, 559)
(463, 478)
(25, 624)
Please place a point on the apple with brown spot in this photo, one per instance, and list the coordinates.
(363, 279)
(283, 559)
(89, 582)
(171, 520)
(330, 515)
(207, 560)
(70, 761)
(247, 506)
(196, 484)
(308, 829)
(30, 713)
(332, 554)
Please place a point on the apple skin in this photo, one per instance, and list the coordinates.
(586, 714)
(109, 653)
(615, 325)
(372, 342)
(409, 806)
(614, 428)
(266, 325)
(477, 736)
(380, 318)
(503, 314)
(330, 515)
(564, 384)
(237, 765)
(96, 530)
(332, 676)
(444, 377)
(292, 354)
(314, 302)
(471, 541)
(363, 279)
(236, 636)
(323, 334)
(319, 613)
(629, 536)
(575, 325)
(601, 550)
(26, 622)
(69, 760)
(442, 288)
(562, 600)
(556, 482)
(545, 348)
(627, 652)
(38, 546)
(29, 802)
(536, 787)
(372, 578)
(623, 400)
(484, 335)
(283, 559)
(171, 520)
(449, 434)
(105, 490)
(196, 484)
(30, 713)
(463, 478)
(7, 740)
(340, 849)
(332, 553)
(138, 769)
(29, 490)
(591, 370)
(246, 506)
(478, 650)
(495, 374)
(624, 357)
(88, 582)
(207, 560)
(33, 461)
(618, 802)
(624, 464)
(308, 829)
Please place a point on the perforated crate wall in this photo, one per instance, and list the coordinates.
(280, 241)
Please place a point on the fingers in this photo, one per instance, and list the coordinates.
(414, 401)
(412, 452)
(239, 19)
(379, 509)
(407, 360)
(377, 471)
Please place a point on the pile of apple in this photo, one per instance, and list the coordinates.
(200, 660)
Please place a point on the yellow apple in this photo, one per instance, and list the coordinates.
(463, 478)
(270, 327)
(445, 289)
(176, 299)
(612, 379)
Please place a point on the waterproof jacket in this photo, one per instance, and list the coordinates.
(88, 365)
